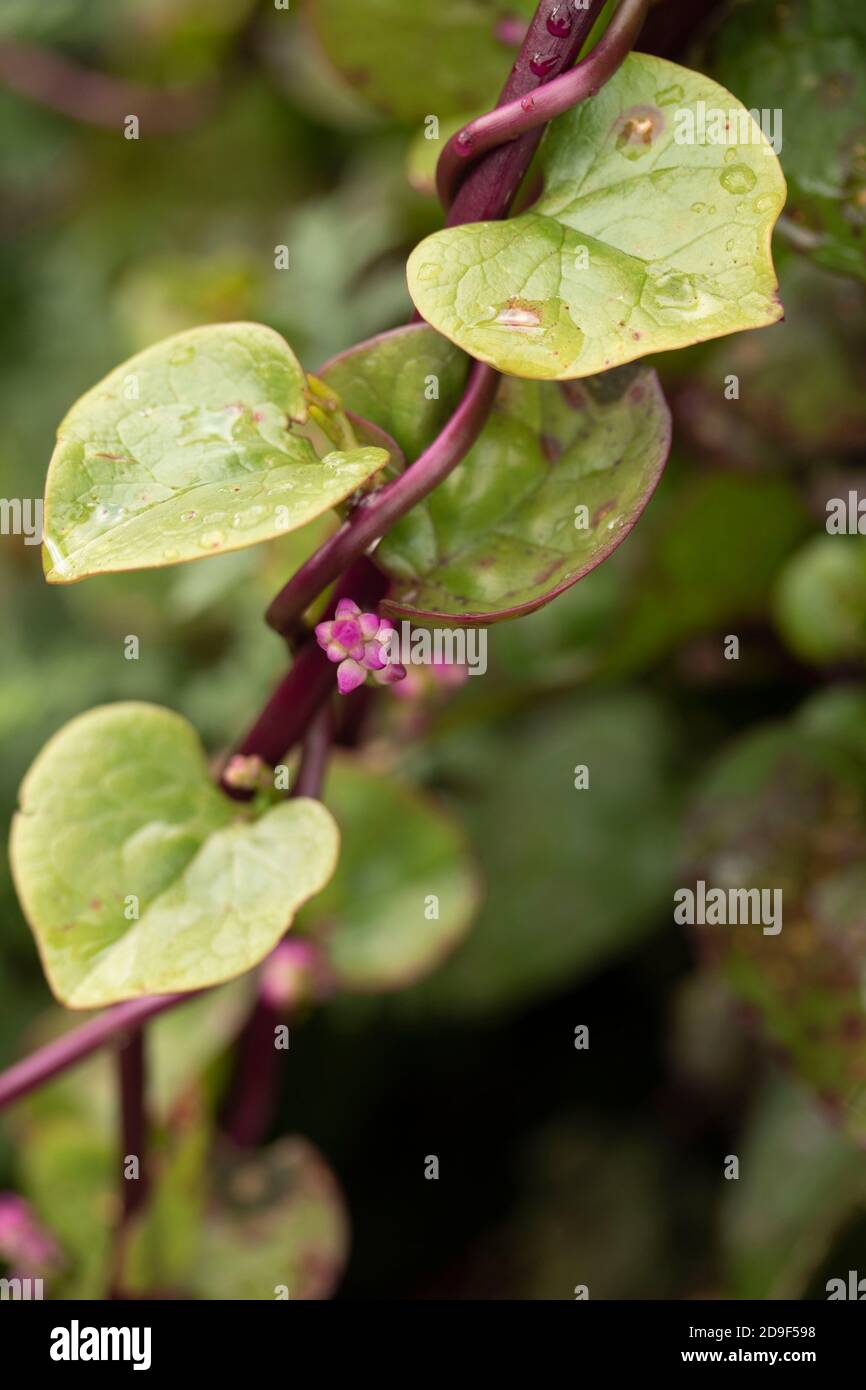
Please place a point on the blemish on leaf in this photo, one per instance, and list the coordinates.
(520, 314)
(637, 128)
(601, 512)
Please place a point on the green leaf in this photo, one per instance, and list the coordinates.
(785, 810)
(808, 60)
(278, 1223)
(408, 382)
(210, 441)
(164, 1239)
(573, 877)
(69, 1172)
(405, 889)
(555, 482)
(775, 1234)
(117, 814)
(820, 600)
(637, 243)
(439, 56)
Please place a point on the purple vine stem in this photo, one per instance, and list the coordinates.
(131, 1072)
(556, 34)
(486, 193)
(55, 1057)
(526, 113)
(302, 691)
(378, 513)
(252, 1094)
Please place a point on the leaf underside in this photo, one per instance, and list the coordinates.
(555, 482)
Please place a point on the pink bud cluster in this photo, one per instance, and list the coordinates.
(356, 641)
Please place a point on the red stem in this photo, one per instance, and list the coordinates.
(376, 515)
(301, 692)
(514, 118)
(253, 1093)
(73, 1047)
(131, 1071)
(544, 54)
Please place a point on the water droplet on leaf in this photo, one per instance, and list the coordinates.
(738, 179)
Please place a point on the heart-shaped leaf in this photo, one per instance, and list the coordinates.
(438, 56)
(647, 236)
(278, 1227)
(557, 479)
(405, 890)
(138, 877)
(209, 441)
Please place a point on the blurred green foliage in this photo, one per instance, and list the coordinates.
(564, 1167)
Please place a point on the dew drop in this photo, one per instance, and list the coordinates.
(730, 156)
(188, 516)
(729, 245)
(181, 355)
(699, 207)
(668, 96)
(428, 271)
(559, 22)
(765, 203)
(527, 103)
(669, 297)
(738, 179)
(541, 66)
(169, 555)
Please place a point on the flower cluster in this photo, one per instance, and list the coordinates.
(357, 641)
